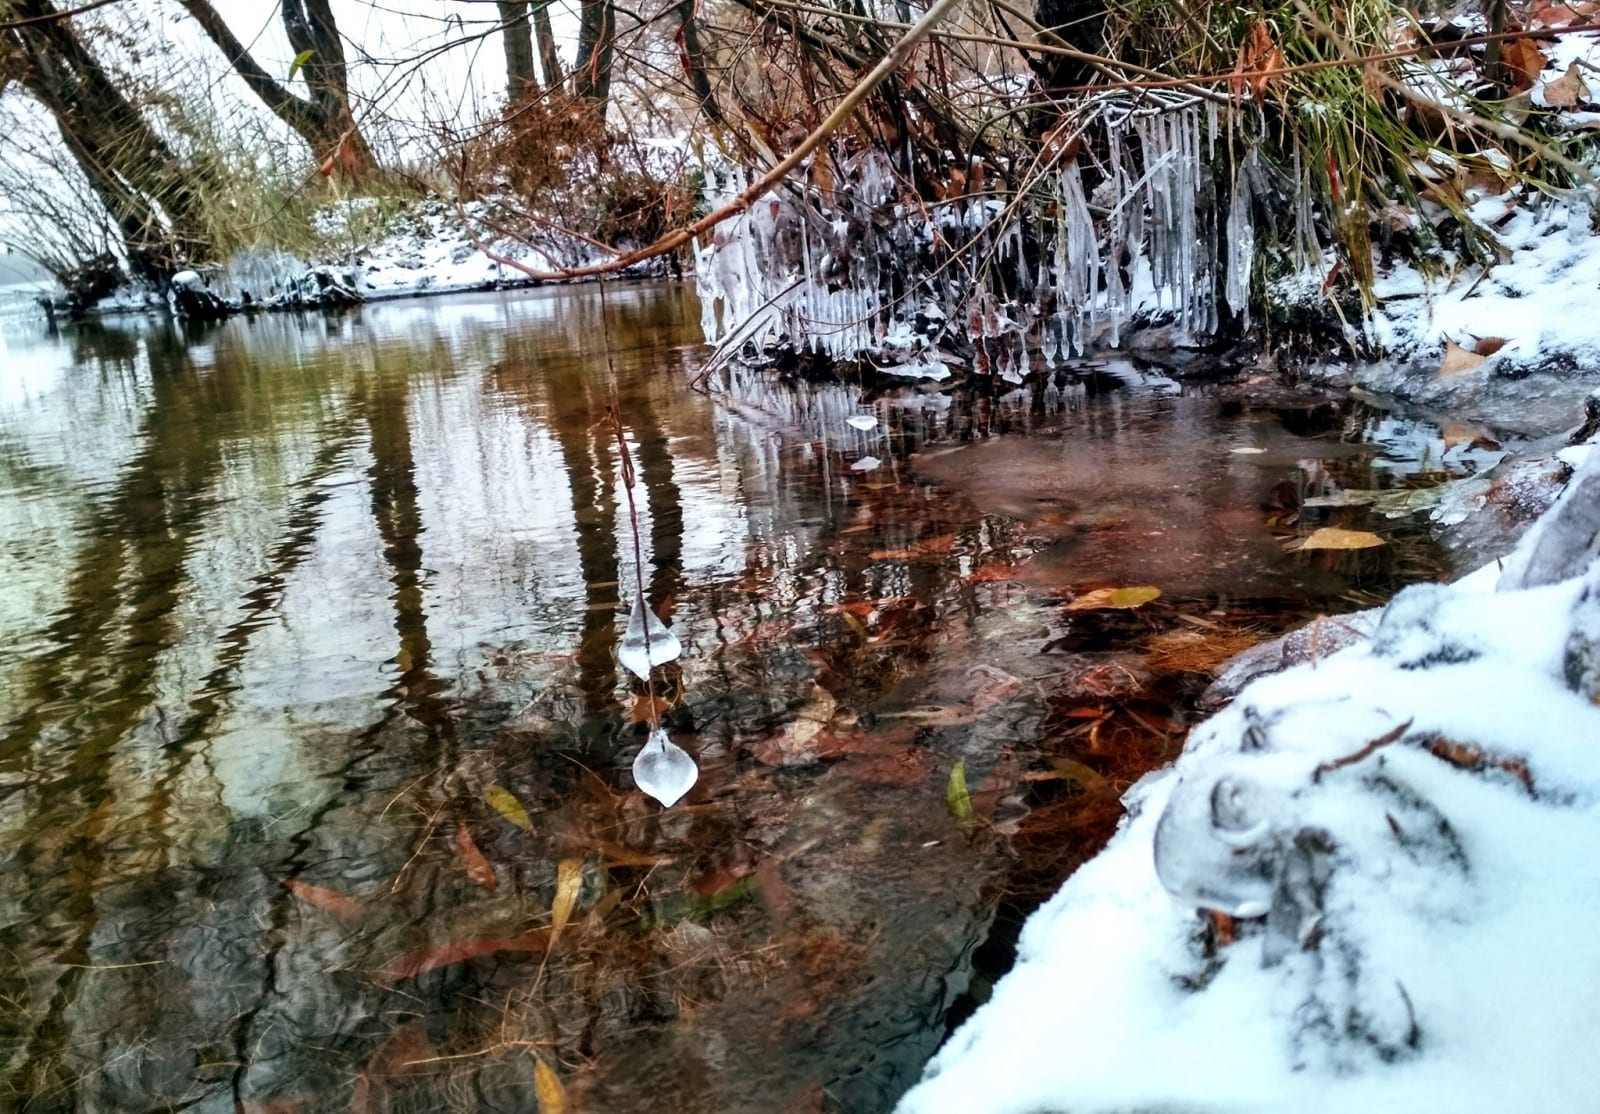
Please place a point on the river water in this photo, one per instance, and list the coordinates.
(311, 727)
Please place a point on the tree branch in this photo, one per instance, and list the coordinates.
(299, 114)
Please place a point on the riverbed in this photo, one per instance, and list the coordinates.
(315, 765)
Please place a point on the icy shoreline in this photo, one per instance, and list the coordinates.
(423, 251)
(1398, 837)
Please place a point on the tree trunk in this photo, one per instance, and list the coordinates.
(1081, 24)
(694, 62)
(324, 119)
(148, 191)
(516, 35)
(549, 60)
(591, 77)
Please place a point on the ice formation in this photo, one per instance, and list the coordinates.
(664, 770)
(1035, 275)
(647, 643)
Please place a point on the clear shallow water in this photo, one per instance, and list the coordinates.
(308, 623)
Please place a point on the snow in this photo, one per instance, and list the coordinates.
(1409, 822)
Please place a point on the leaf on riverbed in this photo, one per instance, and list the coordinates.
(399, 1056)
(647, 709)
(1334, 537)
(473, 860)
(1458, 360)
(1070, 769)
(412, 964)
(986, 574)
(500, 799)
(341, 905)
(547, 1088)
(1104, 599)
(569, 878)
(956, 795)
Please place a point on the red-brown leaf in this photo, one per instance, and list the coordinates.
(412, 964)
(477, 865)
(401, 1055)
(341, 905)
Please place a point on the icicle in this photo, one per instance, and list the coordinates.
(639, 654)
(664, 770)
(1241, 240)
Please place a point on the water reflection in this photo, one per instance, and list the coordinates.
(302, 615)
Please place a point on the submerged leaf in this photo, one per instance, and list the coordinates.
(547, 1088)
(569, 878)
(500, 799)
(473, 860)
(341, 905)
(1103, 599)
(427, 959)
(664, 770)
(1334, 537)
(956, 795)
(647, 643)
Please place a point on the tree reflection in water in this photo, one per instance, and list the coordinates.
(302, 609)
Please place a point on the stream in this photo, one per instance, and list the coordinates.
(315, 756)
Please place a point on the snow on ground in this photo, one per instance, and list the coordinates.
(1406, 830)
(427, 250)
(1538, 297)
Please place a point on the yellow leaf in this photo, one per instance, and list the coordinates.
(500, 799)
(1457, 359)
(1102, 599)
(1333, 537)
(569, 876)
(956, 795)
(547, 1088)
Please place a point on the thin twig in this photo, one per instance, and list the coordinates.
(1351, 759)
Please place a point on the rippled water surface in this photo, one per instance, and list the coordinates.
(313, 729)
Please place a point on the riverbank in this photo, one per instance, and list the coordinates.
(1367, 883)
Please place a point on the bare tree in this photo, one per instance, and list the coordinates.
(516, 35)
(323, 119)
(147, 189)
(597, 32)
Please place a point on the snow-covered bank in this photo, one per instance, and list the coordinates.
(1405, 830)
(420, 249)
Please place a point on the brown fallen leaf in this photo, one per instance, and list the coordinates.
(1524, 62)
(986, 574)
(1104, 599)
(1568, 90)
(647, 709)
(341, 905)
(1457, 359)
(1488, 346)
(1335, 537)
(473, 860)
(569, 877)
(399, 1056)
(418, 962)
